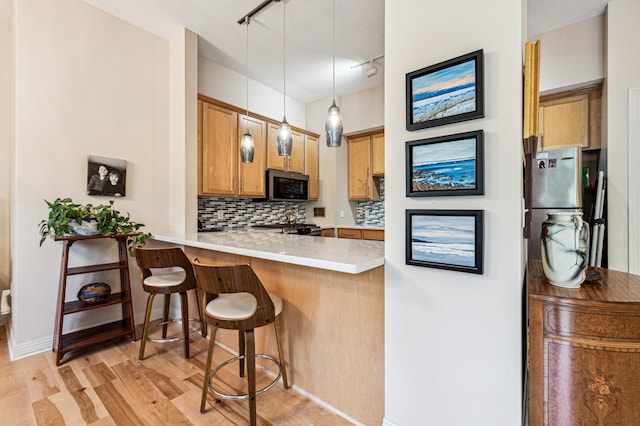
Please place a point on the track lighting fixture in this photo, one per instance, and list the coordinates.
(372, 69)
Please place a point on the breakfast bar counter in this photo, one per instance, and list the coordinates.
(334, 254)
(333, 316)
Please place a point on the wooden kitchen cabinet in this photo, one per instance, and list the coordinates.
(361, 234)
(328, 232)
(571, 118)
(311, 165)
(251, 176)
(363, 184)
(584, 350)
(377, 154)
(221, 171)
(373, 234)
(293, 163)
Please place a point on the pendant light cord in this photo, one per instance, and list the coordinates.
(284, 58)
(246, 118)
(333, 48)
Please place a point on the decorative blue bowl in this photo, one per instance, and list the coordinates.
(94, 293)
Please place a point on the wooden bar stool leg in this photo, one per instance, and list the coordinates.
(201, 314)
(145, 327)
(207, 369)
(281, 355)
(241, 351)
(165, 315)
(251, 366)
(184, 305)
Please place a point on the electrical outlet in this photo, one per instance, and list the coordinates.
(220, 214)
(341, 213)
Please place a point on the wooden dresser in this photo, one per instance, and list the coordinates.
(584, 351)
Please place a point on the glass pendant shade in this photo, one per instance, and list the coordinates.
(247, 148)
(284, 140)
(333, 126)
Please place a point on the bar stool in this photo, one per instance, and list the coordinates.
(236, 300)
(166, 271)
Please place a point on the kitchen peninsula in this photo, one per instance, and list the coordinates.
(333, 318)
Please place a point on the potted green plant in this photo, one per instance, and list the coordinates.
(69, 218)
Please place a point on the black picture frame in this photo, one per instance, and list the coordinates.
(445, 165)
(445, 239)
(106, 177)
(449, 92)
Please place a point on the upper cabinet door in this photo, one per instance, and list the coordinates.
(360, 168)
(218, 151)
(274, 161)
(252, 175)
(311, 162)
(565, 123)
(294, 163)
(377, 154)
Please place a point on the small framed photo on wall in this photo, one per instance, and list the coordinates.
(106, 176)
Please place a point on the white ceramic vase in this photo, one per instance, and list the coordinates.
(564, 244)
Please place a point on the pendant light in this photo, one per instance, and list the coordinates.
(247, 146)
(333, 126)
(283, 138)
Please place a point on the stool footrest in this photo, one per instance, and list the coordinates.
(192, 330)
(244, 395)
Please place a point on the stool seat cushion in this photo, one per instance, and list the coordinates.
(238, 306)
(166, 279)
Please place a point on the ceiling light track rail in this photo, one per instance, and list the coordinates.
(257, 9)
(370, 61)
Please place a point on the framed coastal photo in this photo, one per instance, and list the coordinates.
(444, 93)
(445, 239)
(106, 176)
(446, 165)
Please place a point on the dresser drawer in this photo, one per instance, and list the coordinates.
(611, 324)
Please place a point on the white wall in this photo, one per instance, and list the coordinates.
(623, 73)
(360, 111)
(228, 86)
(572, 56)
(453, 340)
(5, 157)
(183, 110)
(85, 84)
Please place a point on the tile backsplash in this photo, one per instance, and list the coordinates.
(371, 213)
(216, 212)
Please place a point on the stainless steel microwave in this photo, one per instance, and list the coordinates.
(287, 186)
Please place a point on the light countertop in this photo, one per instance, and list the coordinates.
(372, 227)
(334, 254)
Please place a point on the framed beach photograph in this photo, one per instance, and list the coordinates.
(448, 92)
(446, 165)
(445, 239)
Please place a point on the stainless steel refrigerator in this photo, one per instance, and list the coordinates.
(556, 184)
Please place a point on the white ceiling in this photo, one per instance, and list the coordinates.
(359, 35)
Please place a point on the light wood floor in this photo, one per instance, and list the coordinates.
(107, 385)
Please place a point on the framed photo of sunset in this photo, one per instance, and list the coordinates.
(445, 93)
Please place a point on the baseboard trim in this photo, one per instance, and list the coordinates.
(24, 350)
